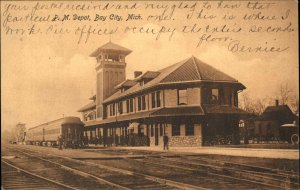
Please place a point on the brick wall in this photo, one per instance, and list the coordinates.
(182, 141)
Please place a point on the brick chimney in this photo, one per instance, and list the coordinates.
(137, 73)
(276, 102)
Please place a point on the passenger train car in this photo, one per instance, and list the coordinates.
(69, 129)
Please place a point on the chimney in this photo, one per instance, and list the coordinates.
(137, 73)
(276, 103)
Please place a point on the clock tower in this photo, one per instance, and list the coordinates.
(110, 71)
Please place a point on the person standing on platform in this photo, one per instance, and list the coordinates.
(166, 141)
(59, 140)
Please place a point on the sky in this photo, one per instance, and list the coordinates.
(46, 77)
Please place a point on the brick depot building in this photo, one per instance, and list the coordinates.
(190, 101)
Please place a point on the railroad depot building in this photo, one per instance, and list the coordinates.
(190, 101)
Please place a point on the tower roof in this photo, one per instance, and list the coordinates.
(111, 47)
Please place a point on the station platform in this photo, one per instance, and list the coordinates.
(291, 154)
(103, 153)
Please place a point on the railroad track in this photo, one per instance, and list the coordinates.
(120, 179)
(241, 165)
(206, 177)
(169, 171)
(14, 178)
(269, 172)
(55, 173)
(262, 179)
(261, 176)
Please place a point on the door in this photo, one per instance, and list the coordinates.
(156, 134)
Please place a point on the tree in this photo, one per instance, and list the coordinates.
(20, 129)
(254, 106)
(288, 96)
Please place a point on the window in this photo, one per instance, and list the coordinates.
(127, 106)
(112, 109)
(131, 105)
(155, 99)
(141, 103)
(182, 97)
(189, 130)
(214, 96)
(99, 58)
(120, 107)
(158, 99)
(175, 130)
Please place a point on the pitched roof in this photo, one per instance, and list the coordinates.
(89, 106)
(147, 75)
(188, 70)
(126, 83)
(195, 69)
(280, 112)
(120, 118)
(111, 47)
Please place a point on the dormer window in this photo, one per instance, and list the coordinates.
(125, 85)
(146, 77)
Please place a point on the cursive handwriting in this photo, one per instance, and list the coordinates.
(236, 47)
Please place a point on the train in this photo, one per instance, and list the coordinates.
(69, 129)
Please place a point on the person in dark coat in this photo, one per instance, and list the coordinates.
(166, 141)
(59, 140)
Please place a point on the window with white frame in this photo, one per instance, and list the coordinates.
(129, 105)
(141, 103)
(155, 99)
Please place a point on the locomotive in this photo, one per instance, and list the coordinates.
(68, 129)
